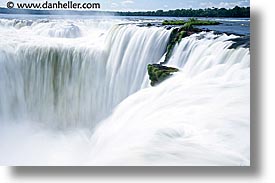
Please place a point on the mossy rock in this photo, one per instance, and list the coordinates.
(185, 30)
(190, 21)
(158, 73)
(173, 22)
(175, 38)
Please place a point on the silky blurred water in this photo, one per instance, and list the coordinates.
(75, 91)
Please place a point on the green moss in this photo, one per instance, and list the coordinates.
(186, 29)
(158, 73)
(181, 35)
(195, 21)
(190, 22)
(173, 22)
(175, 37)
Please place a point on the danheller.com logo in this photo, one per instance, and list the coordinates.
(55, 5)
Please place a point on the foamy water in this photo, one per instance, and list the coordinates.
(76, 92)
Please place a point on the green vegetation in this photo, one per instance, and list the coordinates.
(188, 27)
(176, 37)
(208, 12)
(173, 22)
(196, 21)
(190, 22)
(185, 30)
(158, 73)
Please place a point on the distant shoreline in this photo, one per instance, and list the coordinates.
(236, 12)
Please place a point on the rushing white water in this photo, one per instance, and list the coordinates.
(70, 84)
(198, 117)
(94, 89)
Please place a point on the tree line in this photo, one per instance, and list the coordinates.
(237, 11)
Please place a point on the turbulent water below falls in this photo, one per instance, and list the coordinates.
(76, 92)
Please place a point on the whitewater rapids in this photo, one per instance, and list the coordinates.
(76, 92)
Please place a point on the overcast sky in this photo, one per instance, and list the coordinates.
(137, 5)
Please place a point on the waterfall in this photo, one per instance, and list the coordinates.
(83, 91)
(70, 86)
(208, 55)
(200, 116)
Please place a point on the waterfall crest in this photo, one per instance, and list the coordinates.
(71, 86)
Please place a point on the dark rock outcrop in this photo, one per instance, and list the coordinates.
(176, 36)
(243, 41)
(158, 73)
